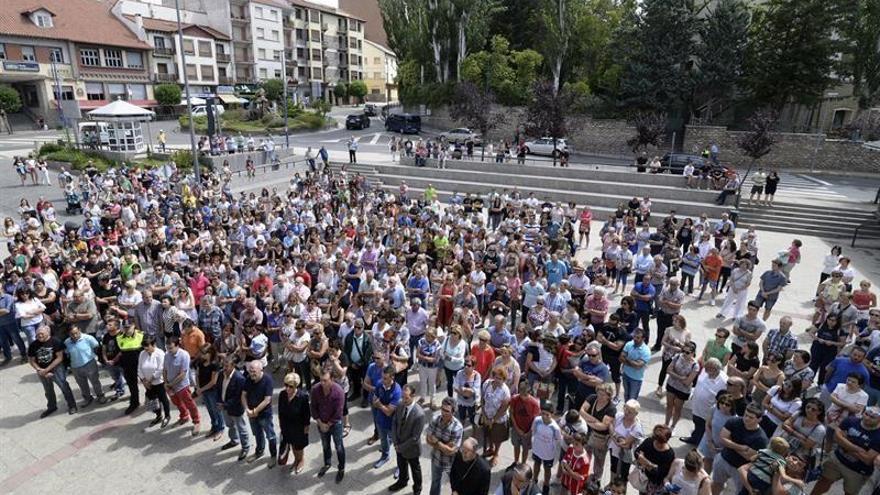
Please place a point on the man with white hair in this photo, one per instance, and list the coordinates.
(711, 381)
(256, 397)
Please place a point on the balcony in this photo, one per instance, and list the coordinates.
(224, 80)
(241, 19)
(223, 58)
(160, 78)
(164, 51)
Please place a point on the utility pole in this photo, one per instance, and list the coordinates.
(189, 108)
(284, 99)
(58, 100)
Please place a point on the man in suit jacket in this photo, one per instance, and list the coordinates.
(231, 383)
(406, 433)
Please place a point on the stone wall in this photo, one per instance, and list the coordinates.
(791, 151)
(585, 134)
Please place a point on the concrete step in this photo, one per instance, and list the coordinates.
(594, 199)
(573, 184)
(584, 172)
(854, 210)
(818, 220)
(838, 234)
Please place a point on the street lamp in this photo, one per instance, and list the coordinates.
(189, 109)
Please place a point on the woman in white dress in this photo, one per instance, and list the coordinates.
(737, 297)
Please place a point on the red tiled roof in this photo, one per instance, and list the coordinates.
(83, 21)
(152, 24)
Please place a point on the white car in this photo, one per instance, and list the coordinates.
(544, 146)
(461, 135)
(201, 111)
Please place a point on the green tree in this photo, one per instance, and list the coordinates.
(757, 142)
(860, 25)
(559, 19)
(650, 129)
(341, 91)
(790, 52)
(10, 101)
(167, 94)
(473, 106)
(657, 60)
(357, 89)
(321, 106)
(546, 113)
(720, 54)
(274, 88)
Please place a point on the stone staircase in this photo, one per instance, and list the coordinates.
(833, 222)
(602, 188)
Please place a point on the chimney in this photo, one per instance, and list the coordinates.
(139, 22)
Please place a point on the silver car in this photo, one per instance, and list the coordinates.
(461, 135)
(544, 146)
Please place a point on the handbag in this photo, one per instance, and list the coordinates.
(638, 480)
(815, 471)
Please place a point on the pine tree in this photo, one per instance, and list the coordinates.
(720, 54)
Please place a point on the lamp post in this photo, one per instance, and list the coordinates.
(189, 109)
(284, 100)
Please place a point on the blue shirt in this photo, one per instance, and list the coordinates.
(599, 370)
(843, 366)
(174, 365)
(7, 303)
(374, 373)
(867, 439)
(420, 283)
(258, 391)
(82, 351)
(555, 272)
(387, 396)
(644, 289)
(633, 353)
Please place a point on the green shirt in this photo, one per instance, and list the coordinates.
(715, 350)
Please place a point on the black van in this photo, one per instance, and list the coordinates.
(403, 123)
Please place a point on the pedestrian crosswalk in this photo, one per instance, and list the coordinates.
(801, 185)
(372, 138)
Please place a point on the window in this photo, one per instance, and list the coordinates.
(300, 35)
(90, 57)
(341, 57)
(298, 14)
(189, 47)
(300, 53)
(56, 55)
(162, 68)
(207, 72)
(27, 54)
(316, 35)
(275, 35)
(2, 51)
(354, 60)
(273, 14)
(258, 12)
(316, 54)
(66, 93)
(377, 75)
(158, 42)
(134, 60)
(264, 74)
(276, 55)
(353, 43)
(316, 73)
(43, 20)
(220, 49)
(301, 72)
(205, 49)
(377, 60)
(113, 58)
(314, 16)
(191, 71)
(94, 91)
(116, 92)
(261, 34)
(261, 53)
(137, 91)
(277, 74)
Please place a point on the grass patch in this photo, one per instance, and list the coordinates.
(234, 122)
(77, 159)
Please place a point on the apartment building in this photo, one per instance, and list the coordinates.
(380, 72)
(325, 46)
(257, 39)
(57, 43)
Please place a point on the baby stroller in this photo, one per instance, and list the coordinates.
(74, 206)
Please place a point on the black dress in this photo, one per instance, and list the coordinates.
(293, 416)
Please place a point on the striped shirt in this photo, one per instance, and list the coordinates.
(449, 433)
(780, 343)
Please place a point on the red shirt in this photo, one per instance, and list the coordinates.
(524, 410)
(483, 360)
(579, 464)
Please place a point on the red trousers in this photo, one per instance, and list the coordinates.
(186, 405)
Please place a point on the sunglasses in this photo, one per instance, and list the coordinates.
(592, 355)
(719, 336)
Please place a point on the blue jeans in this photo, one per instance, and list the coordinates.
(263, 429)
(31, 332)
(631, 387)
(437, 477)
(238, 430)
(9, 335)
(118, 379)
(210, 398)
(59, 377)
(335, 432)
(384, 441)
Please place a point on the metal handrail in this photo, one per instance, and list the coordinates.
(267, 166)
(858, 229)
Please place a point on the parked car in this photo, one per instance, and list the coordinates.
(370, 109)
(544, 146)
(357, 121)
(201, 110)
(462, 135)
(404, 123)
(675, 162)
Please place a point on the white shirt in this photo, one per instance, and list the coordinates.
(704, 393)
(150, 366)
(546, 439)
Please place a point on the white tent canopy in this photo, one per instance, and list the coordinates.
(121, 111)
(195, 100)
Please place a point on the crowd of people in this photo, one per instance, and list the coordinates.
(458, 328)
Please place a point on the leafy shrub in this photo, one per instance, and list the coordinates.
(77, 159)
(50, 148)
